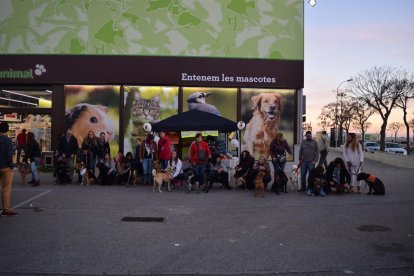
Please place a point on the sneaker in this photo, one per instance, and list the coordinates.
(8, 213)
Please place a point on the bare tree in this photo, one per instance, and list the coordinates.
(395, 127)
(375, 88)
(361, 116)
(348, 110)
(327, 117)
(406, 86)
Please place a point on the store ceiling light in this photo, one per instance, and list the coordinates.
(7, 99)
(15, 93)
(48, 91)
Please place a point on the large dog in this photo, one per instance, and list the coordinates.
(263, 126)
(24, 169)
(373, 182)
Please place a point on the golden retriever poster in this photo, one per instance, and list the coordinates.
(266, 112)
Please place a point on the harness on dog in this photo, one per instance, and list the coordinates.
(371, 178)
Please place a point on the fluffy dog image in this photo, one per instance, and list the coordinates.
(374, 183)
(258, 184)
(160, 176)
(24, 169)
(263, 126)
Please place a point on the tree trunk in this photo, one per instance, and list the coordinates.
(407, 128)
(382, 135)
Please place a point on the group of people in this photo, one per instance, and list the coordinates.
(340, 175)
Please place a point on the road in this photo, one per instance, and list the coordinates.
(77, 230)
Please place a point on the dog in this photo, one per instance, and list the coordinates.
(258, 184)
(280, 183)
(160, 176)
(374, 183)
(264, 125)
(88, 178)
(25, 169)
(294, 177)
(241, 181)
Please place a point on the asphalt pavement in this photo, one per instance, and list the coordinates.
(79, 230)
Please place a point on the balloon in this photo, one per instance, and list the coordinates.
(234, 143)
(147, 127)
(241, 125)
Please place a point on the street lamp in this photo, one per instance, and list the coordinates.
(337, 121)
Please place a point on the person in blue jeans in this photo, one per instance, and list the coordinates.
(148, 155)
(199, 155)
(308, 156)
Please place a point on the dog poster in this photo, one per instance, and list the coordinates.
(147, 104)
(267, 112)
(93, 108)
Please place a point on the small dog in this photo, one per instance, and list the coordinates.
(24, 170)
(88, 178)
(374, 183)
(241, 181)
(294, 177)
(258, 184)
(160, 176)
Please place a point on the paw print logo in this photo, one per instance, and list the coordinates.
(40, 69)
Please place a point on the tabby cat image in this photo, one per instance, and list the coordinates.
(143, 111)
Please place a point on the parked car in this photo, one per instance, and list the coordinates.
(395, 148)
(371, 146)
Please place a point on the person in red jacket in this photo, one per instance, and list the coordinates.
(199, 155)
(21, 140)
(164, 151)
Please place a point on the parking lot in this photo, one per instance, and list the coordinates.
(79, 230)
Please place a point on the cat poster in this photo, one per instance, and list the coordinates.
(267, 112)
(147, 104)
(93, 108)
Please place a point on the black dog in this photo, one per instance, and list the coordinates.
(373, 182)
(280, 183)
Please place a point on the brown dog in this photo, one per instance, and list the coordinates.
(241, 181)
(24, 169)
(258, 183)
(160, 176)
(263, 126)
(87, 177)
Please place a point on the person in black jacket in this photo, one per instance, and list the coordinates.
(33, 153)
(338, 176)
(6, 169)
(68, 148)
(103, 147)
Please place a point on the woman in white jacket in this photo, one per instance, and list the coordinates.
(176, 166)
(354, 157)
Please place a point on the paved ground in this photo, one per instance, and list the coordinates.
(78, 230)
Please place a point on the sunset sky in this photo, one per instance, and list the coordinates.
(346, 37)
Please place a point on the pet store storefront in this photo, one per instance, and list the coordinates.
(100, 84)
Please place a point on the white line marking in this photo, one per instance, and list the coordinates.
(33, 198)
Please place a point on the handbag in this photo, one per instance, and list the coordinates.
(281, 159)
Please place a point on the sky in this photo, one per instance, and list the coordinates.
(346, 37)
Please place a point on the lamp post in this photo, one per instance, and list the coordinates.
(338, 119)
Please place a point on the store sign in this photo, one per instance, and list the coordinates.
(192, 134)
(12, 117)
(22, 74)
(16, 74)
(223, 78)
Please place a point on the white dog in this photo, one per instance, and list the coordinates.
(294, 177)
